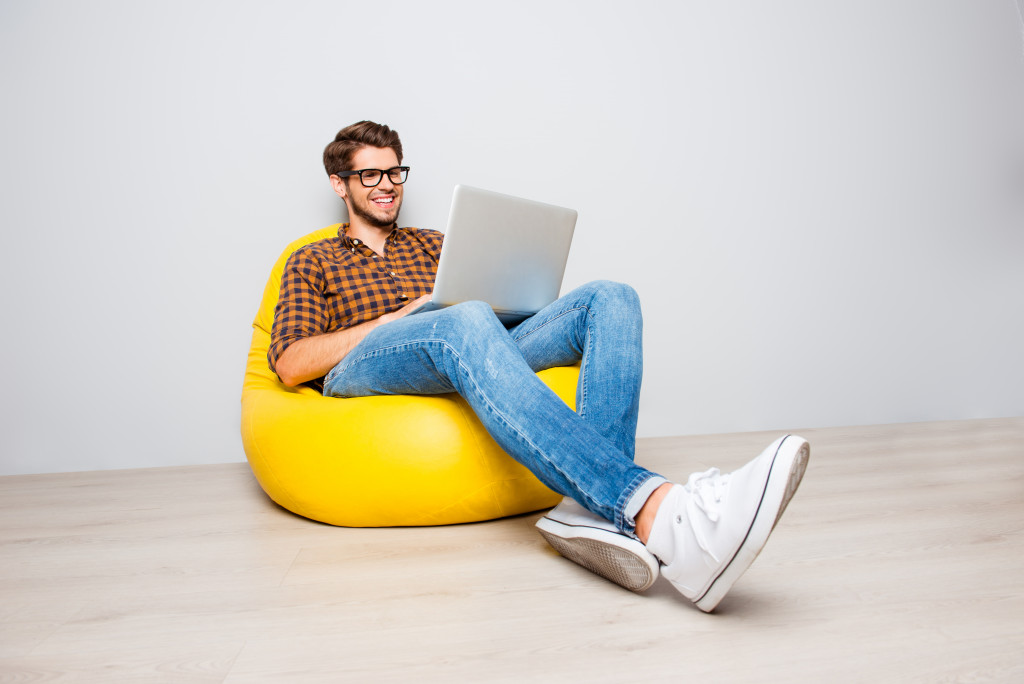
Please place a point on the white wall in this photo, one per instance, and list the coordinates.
(821, 203)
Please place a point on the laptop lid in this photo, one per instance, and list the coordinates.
(507, 251)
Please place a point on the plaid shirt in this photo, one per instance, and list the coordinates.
(339, 282)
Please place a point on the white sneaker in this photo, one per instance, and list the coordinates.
(597, 545)
(708, 531)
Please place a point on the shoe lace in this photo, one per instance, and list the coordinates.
(706, 491)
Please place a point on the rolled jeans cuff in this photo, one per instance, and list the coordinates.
(636, 497)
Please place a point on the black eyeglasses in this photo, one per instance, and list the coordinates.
(370, 178)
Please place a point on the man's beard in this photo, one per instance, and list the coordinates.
(374, 220)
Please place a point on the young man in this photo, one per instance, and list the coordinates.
(342, 323)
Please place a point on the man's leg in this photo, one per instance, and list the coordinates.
(465, 349)
(601, 324)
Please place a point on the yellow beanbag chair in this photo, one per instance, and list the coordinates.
(378, 461)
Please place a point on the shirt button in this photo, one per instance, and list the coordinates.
(403, 297)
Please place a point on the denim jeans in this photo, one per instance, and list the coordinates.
(587, 455)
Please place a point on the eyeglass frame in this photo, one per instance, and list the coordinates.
(382, 172)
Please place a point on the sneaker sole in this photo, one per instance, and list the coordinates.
(616, 557)
(787, 470)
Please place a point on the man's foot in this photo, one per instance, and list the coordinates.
(597, 545)
(708, 531)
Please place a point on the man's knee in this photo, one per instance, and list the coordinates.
(475, 312)
(613, 293)
(467, 320)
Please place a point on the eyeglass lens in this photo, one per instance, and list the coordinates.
(371, 177)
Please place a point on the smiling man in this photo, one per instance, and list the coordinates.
(342, 324)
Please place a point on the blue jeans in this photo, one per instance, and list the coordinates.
(586, 455)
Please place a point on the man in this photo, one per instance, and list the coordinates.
(342, 323)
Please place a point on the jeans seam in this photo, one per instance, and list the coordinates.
(581, 408)
(552, 320)
(583, 384)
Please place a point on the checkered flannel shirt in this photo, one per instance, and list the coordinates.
(339, 282)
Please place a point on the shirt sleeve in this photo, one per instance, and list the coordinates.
(301, 309)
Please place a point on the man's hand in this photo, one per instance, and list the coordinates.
(405, 310)
(314, 357)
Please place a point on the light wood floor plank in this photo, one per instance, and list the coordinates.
(900, 560)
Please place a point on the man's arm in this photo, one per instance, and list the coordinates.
(313, 357)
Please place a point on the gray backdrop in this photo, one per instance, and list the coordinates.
(820, 203)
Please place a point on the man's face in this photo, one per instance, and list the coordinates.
(377, 206)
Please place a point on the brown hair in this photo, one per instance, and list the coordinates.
(338, 154)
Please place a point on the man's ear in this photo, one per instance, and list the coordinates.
(339, 187)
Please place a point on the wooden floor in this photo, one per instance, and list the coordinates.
(901, 559)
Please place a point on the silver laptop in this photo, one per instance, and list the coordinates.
(507, 251)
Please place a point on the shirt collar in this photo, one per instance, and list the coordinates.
(349, 243)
